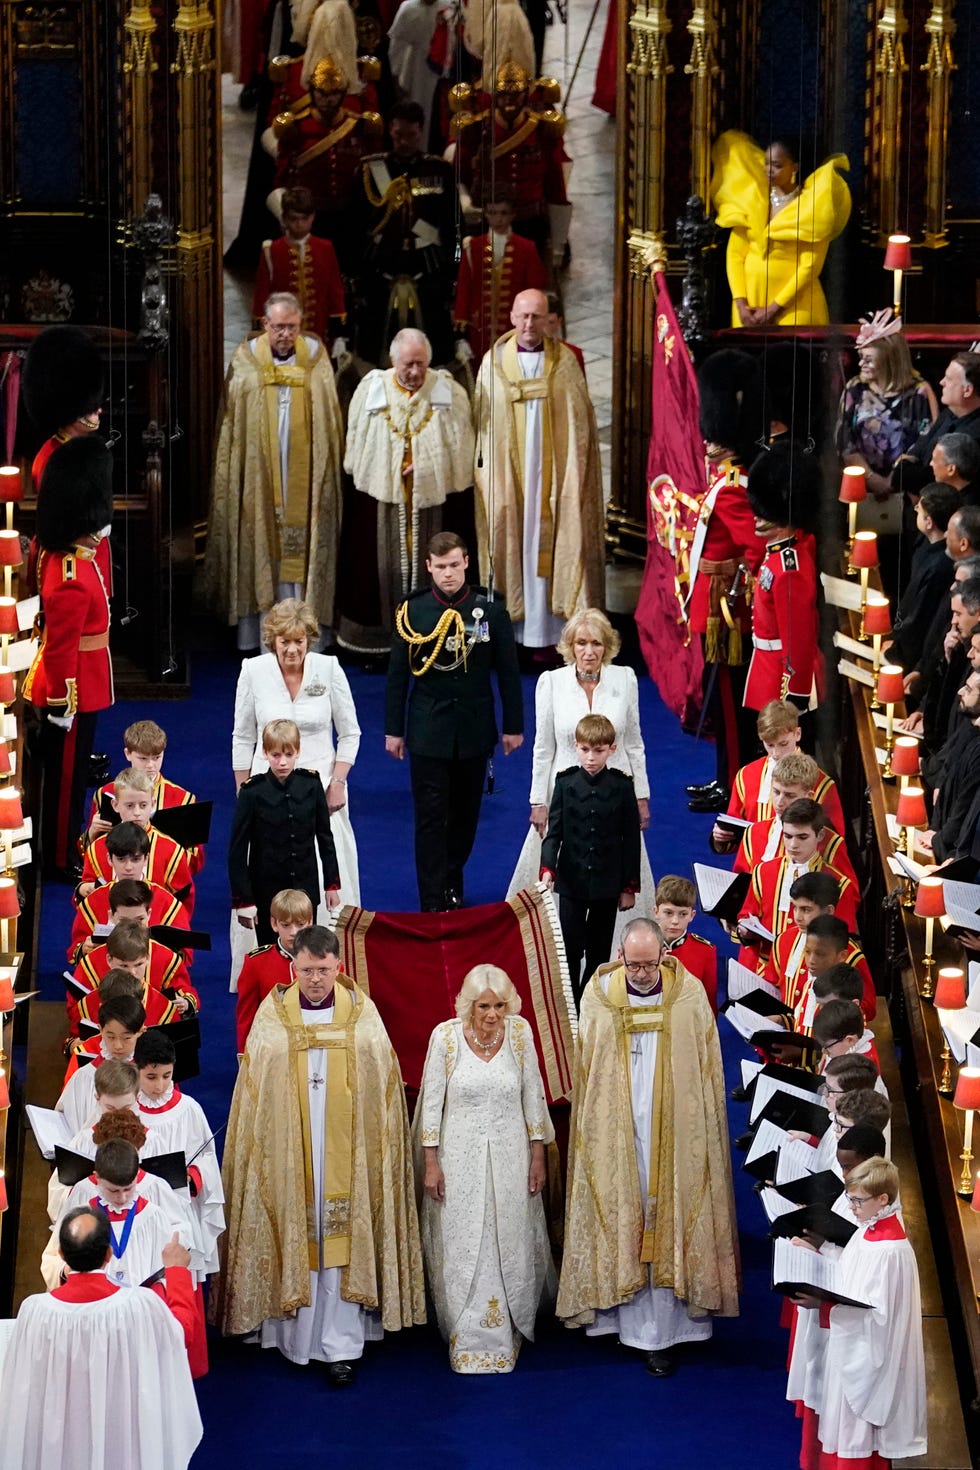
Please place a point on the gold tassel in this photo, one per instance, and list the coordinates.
(712, 648)
(734, 644)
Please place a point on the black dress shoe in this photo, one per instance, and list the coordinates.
(341, 1375)
(715, 800)
(660, 1365)
(700, 790)
(744, 1140)
(739, 1094)
(98, 768)
(454, 899)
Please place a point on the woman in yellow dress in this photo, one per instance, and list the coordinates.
(780, 228)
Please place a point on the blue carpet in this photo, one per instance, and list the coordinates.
(570, 1402)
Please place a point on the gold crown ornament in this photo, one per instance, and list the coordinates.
(328, 76)
(511, 77)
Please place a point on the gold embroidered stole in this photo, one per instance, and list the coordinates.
(519, 391)
(292, 510)
(641, 1019)
(332, 1247)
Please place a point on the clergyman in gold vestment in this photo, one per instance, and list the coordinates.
(539, 509)
(275, 491)
(322, 1247)
(651, 1249)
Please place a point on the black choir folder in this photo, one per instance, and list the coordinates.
(190, 825)
(796, 1271)
(721, 893)
(171, 1168)
(816, 1219)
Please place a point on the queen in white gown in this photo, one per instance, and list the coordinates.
(588, 684)
(291, 683)
(481, 1127)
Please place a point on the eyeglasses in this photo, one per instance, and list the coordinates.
(641, 967)
(312, 972)
(283, 328)
(857, 1199)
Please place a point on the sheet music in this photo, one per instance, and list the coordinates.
(753, 925)
(902, 865)
(742, 981)
(49, 1128)
(766, 1086)
(20, 654)
(712, 884)
(774, 1204)
(959, 1027)
(794, 1263)
(855, 672)
(796, 1159)
(750, 1071)
(882, 723)
(724, 819)
(768, 1139)
(961, 917)
(851, 645)
(973, 985)
(840, 593)
(972, 1055)
(27, 610)
(746, 1022)
(963, 895)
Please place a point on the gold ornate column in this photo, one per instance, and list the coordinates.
(939, 67)
(139, 64)
(642, 72)
(702, 68)
(197, 198)
(889, 67)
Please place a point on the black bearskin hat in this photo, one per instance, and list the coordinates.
(62, 378)
(784, 486)
(75, 498)
(794, 391)
(730, 389)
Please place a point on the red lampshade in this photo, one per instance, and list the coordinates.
(853, 484)
(905, 756)
(898, 256)
(967, 1093)
(11, 812)
(4, 1091)
(10, 552)
(877, 616)
(950, 989)
(8, 689)
(9, 909)
(891, 687)
(8, 617)
(865, 550)
(11, 484)
(929, 900)
(910, 812)
(975, 1201)
(6, 993)
(3, 1193)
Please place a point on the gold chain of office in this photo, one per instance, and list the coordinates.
(451, 622)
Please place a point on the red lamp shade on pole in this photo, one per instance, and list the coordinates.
(950, 989)
(891, 684)
(929, 900)
(4, 1091)
(877, 616)
(898, 254)
(11, 483)
(911, 812)
(11, 815)
(10, 552)
(5, 765)
(967, 1094)
(865, 553)
(853, 484)
(905, 756)
(9, 627)
(8, 689)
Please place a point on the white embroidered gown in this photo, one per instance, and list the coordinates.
(487, 1255)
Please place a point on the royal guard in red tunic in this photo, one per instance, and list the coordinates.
(306, 266)
(71, 676)
(725, 555)
(63, 390)
(493, 269)
(512, 144)
(783, 491)
(321, 143)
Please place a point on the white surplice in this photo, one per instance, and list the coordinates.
(486, 1247)
(539, 628)
(83, 1143)
(324, 704)
(173, 1205)
(559, 703)
(103, 1383)
(181, 1125)
(329, 1330)
(874, 1391)
(654, 1319)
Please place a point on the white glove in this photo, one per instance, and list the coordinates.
(464, 352)
(339, 349)
(64, 722)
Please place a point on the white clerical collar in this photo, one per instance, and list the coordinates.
(498, 244)
(151, 1104)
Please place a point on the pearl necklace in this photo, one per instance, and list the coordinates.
(777, 200)
(485, 1046)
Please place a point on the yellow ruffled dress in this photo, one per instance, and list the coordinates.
(779, 259)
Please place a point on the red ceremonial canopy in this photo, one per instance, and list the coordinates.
(412, 966)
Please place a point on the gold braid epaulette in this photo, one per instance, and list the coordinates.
(451, 621)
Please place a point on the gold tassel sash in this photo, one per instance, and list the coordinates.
(292, 508)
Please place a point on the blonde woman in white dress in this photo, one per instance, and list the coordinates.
(292, 683)
(588, 684)
(481, 1128)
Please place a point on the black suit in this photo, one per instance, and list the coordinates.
(451, 727)
(593, 848)
(277, 830)
(913, 475)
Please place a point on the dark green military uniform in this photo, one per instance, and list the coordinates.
(451, 726)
